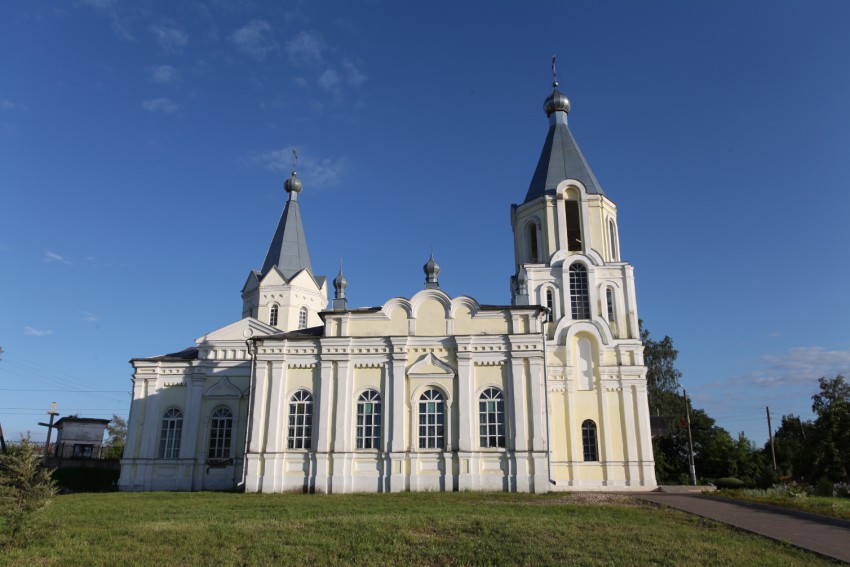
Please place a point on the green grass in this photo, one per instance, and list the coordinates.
(834, 507)
(400, 529)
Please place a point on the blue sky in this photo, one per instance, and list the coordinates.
(143, 146)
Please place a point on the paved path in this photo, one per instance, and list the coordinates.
(826, 536)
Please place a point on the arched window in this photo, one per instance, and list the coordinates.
(221, 429)
(550, 304)
(302, 318)
(579, 294)
(491, 418)
(609, 299)
(432, 420)
(533, 256)
(588, 440)
(169, 439)
(612, 236)
(300, 434)
(273, 315)
(369, 420)
(573, 226)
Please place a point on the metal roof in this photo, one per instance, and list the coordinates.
(560, 159)
(288, 250)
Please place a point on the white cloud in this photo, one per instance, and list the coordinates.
(164, 74)
(305, 49)
(316, 173)
(88, 317)
(54, 257)
(169, 38)
(6, 104)
(165, 105)
(109, 9)
(30, 332)
(329, 80)
(353, 75)
(255, 39)
(798, 366)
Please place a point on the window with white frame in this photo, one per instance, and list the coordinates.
(579, 294)
(609, 299)
(369, 420)
(172, 429)
(221, 430)
(273, 315)
(588, 440)
(300, 434)
(550, 304)
(432, 420)
(302, 318)
(491, 418)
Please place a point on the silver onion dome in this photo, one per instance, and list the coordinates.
(556, 101)
(293, 184)
(432, 270)
(340, 283)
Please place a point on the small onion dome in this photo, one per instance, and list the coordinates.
(293, 184)
(340, 283)
(556, 101)
(432, 269)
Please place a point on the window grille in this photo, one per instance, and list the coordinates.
(588, 440)
(169, 439)
(221, 429)
(300, 434)
(491, 418)
(273, 316)
(550, 304)
(579, 295)
(369, 420)
(302, 318)
(431, 420)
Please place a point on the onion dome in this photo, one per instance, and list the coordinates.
(557, 101)
(340, 283)
(293, 184)
(432, 270)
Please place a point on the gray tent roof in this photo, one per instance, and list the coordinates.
(288, 250)
(561, 159)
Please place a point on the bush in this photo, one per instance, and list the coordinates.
(25, 489)
(729, 482)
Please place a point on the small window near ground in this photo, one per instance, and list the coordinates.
(432, 420)
(221, 430)
(300, 435)
(172, 429)
(588, 440)
(491, 418)
(369, 420)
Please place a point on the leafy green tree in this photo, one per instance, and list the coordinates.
(662, 376)
(793, 448)
(832, 429)
(117, 431)
(25, 489)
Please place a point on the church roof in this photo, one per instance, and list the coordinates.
(288, 250)
(561, 159)
(190, 353)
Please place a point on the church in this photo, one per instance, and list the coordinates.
(433, 392)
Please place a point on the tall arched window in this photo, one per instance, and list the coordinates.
(609, 299)
(579, 295)
(432, 420)
(172, 429)
(531, 234)
(221, 429)
(550, 304)
(573, 226)
(302, 318)
(273, 315)
(612, 237)
(491, 418)
(588, 440)
(300, 434)
(369, 420)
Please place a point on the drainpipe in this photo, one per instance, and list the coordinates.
(544, 316)
(252, 351)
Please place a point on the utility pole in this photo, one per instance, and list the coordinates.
(770, 432)
(690, 441)
(52, 413)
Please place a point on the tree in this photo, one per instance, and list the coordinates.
(117, 431)
(832, 429)
(793, 447)
(25, 489)
(662, 376)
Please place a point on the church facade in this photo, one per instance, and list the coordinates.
(428, 393)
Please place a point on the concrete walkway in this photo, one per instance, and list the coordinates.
(827, 536)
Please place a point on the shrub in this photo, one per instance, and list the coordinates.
(25, 489)
(729, 482)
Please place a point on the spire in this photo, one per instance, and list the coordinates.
(340, 283)
(288, 250)
(432, 270)
(561, 157)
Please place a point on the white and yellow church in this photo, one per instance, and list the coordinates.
(428, 393)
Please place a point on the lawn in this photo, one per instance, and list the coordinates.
(401, 529)
(824, 505)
